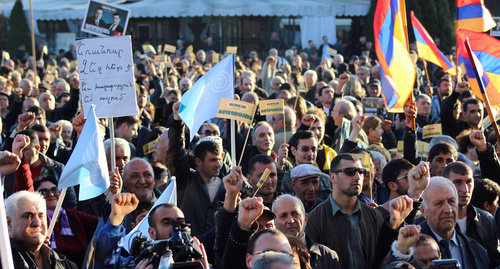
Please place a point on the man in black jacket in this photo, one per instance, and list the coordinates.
(291, 220)
(440, 209)
(474, 222)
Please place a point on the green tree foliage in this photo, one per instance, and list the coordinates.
(18, 33)
(437, 16)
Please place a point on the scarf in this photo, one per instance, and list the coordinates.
(65, 228)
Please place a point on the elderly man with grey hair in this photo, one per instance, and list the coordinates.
(440, 209)
(291, 219)
(283, 125)
(122, 153)
(27, 223)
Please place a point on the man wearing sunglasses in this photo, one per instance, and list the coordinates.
(350, 227)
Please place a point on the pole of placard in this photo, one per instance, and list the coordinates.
(284, 127)
(112, 134)
(56, 211)
(5, 249)
(33, 48)
(233, 141)
(295, 105)
(426, 72)
(244, 146)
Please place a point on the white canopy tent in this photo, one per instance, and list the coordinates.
(318, 16)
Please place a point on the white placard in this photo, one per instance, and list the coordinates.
(107, 76)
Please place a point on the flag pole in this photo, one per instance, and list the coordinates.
(245, 145)
(481, 87)
(233, 122)
(33, 48)
(426, 72)
(56, 211)
(405, 28)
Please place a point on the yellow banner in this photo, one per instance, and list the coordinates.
(273, 106)
(422, 149)
(160, 58)
(365, 160)
(232, 49)
(5, 55)
(331, 51)
(215, 57)
(158, 48)
(45, 50)
(190, 48)
(148, 48)
(400, 150)
(432, 130)
(148, 148)
(236, 110)
(168, 48)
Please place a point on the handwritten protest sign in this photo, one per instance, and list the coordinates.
(107, 76)
(272, 106)
(432, 130)
(236, 110)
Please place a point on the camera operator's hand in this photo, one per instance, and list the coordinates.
(250, 211)
(204, 259)
(121, 205)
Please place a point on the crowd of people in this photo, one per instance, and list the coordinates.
(340, 193)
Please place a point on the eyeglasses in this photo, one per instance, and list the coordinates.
(307, 149)
(46, 192)
(211, 133)
(273, 251)
(351, 171)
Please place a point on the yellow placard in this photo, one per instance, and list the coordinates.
(236, 110)
(45, 50)
(232, 49)
(158, 48)
(148, 48)
(51, 68)
(148, 148)
(5, 55)
(302, 87)
(161, 58)
(73, 64)
(400, 150)
(168, 48)
(49, 78)
(190, 48)
(420, 148)
(215, 57)
(331, 51)
(432, 130)
(425, 151)
(365, 160)
(273, 106)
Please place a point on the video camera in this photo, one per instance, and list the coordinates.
(180, 247)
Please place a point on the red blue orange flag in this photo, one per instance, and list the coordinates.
(487, 49)
(427, 49)
(397, 70)
(474, 16)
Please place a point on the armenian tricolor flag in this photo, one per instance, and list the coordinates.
(487, 49)
(397, 71)
(427, 49)
(474, 16)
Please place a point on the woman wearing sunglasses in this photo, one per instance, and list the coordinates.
(73, 230)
